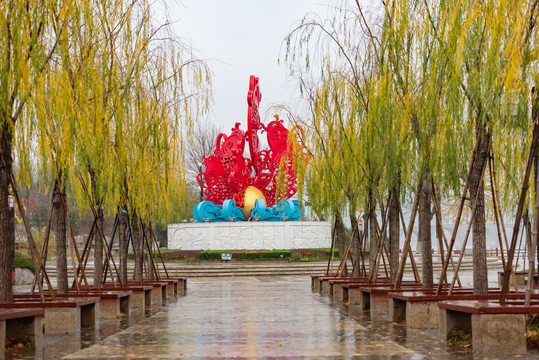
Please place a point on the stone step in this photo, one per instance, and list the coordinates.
(241, 268)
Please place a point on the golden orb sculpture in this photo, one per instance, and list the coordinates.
(251, 195)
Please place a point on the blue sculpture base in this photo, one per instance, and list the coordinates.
(284, 210)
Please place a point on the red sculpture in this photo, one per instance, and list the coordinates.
(228, 173)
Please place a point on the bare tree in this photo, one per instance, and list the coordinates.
(200, 143)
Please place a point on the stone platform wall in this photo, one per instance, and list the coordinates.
(250, 235)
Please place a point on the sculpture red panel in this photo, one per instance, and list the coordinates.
(228, 173)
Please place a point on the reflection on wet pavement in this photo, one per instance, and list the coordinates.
(253, 318)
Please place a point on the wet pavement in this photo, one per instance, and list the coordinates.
(251, 317)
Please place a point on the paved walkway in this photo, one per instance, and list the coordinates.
(255, 317)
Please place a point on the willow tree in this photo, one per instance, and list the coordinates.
(54, 122)
(484, 46)
(29, 33)
(331, 177)
(59, 93)
(77, 90)
(109, 117)
(175, 92)
(145, 89)
(448, 77)
(373, 132)
(407, 45)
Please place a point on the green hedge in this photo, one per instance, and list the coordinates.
(24, 261)
(245, 255)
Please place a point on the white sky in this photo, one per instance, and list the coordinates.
(240, 38)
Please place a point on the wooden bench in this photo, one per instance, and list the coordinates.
(336, 285)
(63, 316)
(316, 280)
(141, 295)
(495, 329)
(352, 292)
(112, 303)
(420, 308)
(21, 324)
(172, 287)
(158, 293)
(181, 287)
(327, 284)
(323, 283)
(376, 300)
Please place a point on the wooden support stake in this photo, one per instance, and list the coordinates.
(495, 204)
(449, 255)
(533, 246)
(109, 247)
(79, 260)
(135, 247)
(406, 248)
(520, 246)
(344, 257)
(360, 261)
(85, 253)
(459, 215)
(373, 272)
(159, 251)
(330, 260)
(150, 254)
(472, 220)
(417, 278)
(380, 252)
(100, 234)
(108, 254)
(45, 245)
(520, 208)
(71, 250)
(38, 264)
(439, 229)
(362, 254)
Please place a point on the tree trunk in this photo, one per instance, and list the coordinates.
(356, 246)
(394, 231)
(373, 231)
(123, 244)
(137, 248)
(529, 235)
(61, 242)
(365, 235)
(480, 273)
(6, 220)
(147, 242)
(98, 250)
(425, 241)
(98, 240)
(382, 216)
(536, 175)
(340, 239)
(439, 231)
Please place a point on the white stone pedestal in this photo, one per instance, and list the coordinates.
(250, 235)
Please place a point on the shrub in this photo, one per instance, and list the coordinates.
(245, 255)
(24, 261)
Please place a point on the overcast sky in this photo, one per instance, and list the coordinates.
(240, 38)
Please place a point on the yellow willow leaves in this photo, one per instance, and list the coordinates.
(431, 73)
(108, 113)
